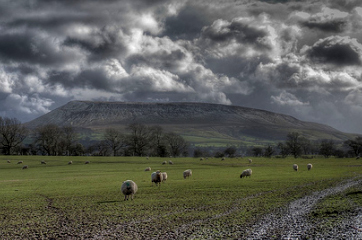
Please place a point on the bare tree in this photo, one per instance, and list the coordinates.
(68, 140)
(268, 151)
(114, 139)
(12, 134)
(176, 144)
(157, 143)
(294, 144)
(355, 145)
(139, 138)
(327, 148)
(48, 138)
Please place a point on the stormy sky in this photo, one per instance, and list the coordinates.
(301, 58)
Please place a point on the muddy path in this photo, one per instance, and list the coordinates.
(290, 222)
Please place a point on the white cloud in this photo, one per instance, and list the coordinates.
(286, 98)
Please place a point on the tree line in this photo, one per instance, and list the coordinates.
(142, 140)
(52, 140)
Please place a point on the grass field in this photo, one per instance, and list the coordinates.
(80, 201)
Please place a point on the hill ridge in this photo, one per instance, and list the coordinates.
(185, 118)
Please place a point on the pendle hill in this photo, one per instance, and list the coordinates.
(198, 123)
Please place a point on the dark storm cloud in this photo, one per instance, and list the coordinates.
(335, 26)
(297, 57)
(221, 32)
(339, 51)
(187, 24)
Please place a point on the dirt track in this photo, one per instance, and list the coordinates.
(285, 223)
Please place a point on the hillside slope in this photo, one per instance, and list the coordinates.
(193, 120)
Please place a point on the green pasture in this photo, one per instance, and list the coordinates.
(56, 199)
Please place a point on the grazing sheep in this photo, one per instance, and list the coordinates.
(20, 162)
(201, 159)
(309, 166)
(8, 161)
(148, 169)
(187, 173)
(87, 162)
(25, 167)
(129, 187)
(357, 157)
(250, 160)
(246, 173)
(164, 176)
(157, 177)
(164, 162)
(170, 162)
(295, 167)
(70, 162)
(43, 162)
(222, 159)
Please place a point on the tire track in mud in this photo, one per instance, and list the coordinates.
(291, 223)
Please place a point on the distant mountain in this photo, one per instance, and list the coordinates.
(198, 122)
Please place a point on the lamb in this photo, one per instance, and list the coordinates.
(157, 177)
(309, 166)
(25, 167)
(129, 187)
(295, 167)
(148, 169)
(164, 176)
(187, 173)
(250, 160)
(246, 173)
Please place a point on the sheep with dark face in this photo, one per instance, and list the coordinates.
(187, 173)
(295, 167)
(25, 167)
(157, 177)
(128, 188)
(43, 162)
(309, 166)
(246, 173)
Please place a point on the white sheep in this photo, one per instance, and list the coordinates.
(250, 160)
(70, 162)
(157, 177)
(246, 173)
(309, 166)
(170, 162)
(43, 162)
(25, 167)
(148, 169)
(8, 161)
(295, 167)
(129, 187)
(187, 173)
(164, 162)
(164, 176)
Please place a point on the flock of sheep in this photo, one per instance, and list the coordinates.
(129, 187)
